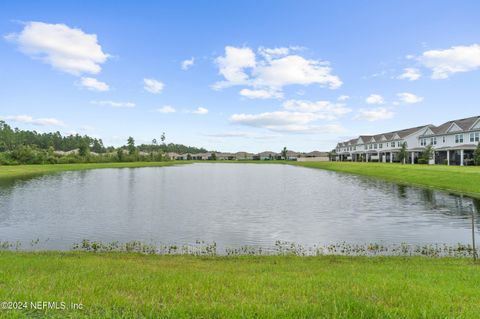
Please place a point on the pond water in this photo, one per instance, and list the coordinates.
(230, 204)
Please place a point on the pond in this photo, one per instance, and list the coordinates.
(230, 204)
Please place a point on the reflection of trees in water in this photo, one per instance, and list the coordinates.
(402, 191)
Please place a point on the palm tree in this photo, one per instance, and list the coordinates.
(284, 153)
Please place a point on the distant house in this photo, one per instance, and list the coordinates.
(292, 155)
(243, 156)
(172, 155)
(225, 156)
(267, 155)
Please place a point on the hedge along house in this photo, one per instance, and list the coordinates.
(453, 143)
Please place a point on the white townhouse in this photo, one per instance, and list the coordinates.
(453, 142)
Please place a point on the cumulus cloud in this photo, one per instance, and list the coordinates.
(166, 109)
(409, 98)
(35, 121)
(410, 74)
(444, 63)
(376, 114)
(93, 84)
(153, 86)
(200, 111)
(66, 49)
(232, 66)
(261, 94)
(114, 104)
(187, 64)
(374, 99)
(274, 69)
(324, 110)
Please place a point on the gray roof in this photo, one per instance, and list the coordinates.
(465, 124)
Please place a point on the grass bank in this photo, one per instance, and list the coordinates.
(458, 179)
(19, 171)
(116, 285)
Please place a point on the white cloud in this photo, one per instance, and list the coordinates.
(324, 110)
(410, 74)
(67, 49)
(409, 98)
(187, 64)
(374, 99)
(294, 69)
(200, 111)
(456, 59)
(261, 94)
(343, 98)
(376, 114)
(166, 109)
(232, 66)
(114, 104)
(274, 69)
(94, 85)
(35, 121)
(153, 86)
(285, 121)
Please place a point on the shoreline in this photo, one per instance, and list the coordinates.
(460, 180)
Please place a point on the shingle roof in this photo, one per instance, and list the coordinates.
(464, 124)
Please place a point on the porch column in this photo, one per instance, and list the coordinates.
(413, 157)
(448, 157)
(391, 157)
(461, 157)
(366, 157)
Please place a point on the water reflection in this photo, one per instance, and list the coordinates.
(231, 204)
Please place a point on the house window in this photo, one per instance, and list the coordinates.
(398, 144)
(380, 145)
(423, 142)
(459, 138)
(475, 137)
(433, 141)
(443, 139)
(392, 144)
(366, 147)
(375, 146)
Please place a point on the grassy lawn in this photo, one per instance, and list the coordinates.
(115, 285)
(18, 171)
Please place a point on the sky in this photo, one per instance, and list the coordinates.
(237, 75)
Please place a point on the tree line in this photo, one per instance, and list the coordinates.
(31, 147)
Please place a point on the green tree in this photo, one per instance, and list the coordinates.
(131, 145)
(83, 150)
(476, 155)
(214, 156)
(284, 153)
(403, 155)
(427, 154)
(120, 154)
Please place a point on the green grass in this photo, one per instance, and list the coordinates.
(115, 285)
(19, 171)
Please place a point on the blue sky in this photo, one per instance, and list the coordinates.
(237, 75)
